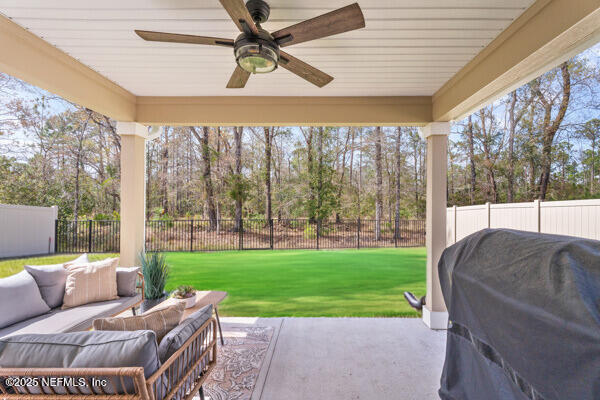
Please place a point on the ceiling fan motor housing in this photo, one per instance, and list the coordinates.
(256, 54)
(259, 10)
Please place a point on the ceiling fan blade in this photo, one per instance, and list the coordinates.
(239, 14)
(341, 20)
(238, 79)
(304, 70)
(179, 38)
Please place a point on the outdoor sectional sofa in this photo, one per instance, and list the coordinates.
(130, 364)
(56, 355)
(18, 299)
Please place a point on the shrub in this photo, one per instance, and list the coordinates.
(156, 271)
(102, 217)
(310, 232)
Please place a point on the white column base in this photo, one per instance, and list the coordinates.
(435, 319)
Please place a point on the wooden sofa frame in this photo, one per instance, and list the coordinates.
(180, 377)
(141, 286)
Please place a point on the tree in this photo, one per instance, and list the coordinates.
(308, 134)
(549, 125)
(398, 170)
(471, 141)
(591, 130)
(326, 200)
(268, 132)
(78, 150)
(378, 184)
(206, 175)
(500, 154)
(343, 171)
(492, 142)
(239, 193)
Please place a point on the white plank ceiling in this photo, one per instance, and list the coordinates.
(408, 48)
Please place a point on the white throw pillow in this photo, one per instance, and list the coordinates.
(91, 282)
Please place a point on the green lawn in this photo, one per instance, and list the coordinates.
(12, 266)
(300, 283)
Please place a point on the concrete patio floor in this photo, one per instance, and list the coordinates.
(348, 358)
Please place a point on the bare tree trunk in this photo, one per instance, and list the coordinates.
(379, 184)
(352, 158)
(219, 177)
(149, 156)
(513, 120)
(551, 127)
(341, 188)
(593, 172)
(360, 165)
(238, 132)
(398, 170)
(78, 166)
(489, 164)
(471, 159)
(415, 145)
(206, 175)
(308, 137)
(320, 174)
(510, 174)
(268, 141)
(164, 174)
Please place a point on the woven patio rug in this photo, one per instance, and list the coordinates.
(239, 363)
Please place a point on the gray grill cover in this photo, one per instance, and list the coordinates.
(525, 317)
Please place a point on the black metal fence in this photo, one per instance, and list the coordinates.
(254, 234)
(87, 236)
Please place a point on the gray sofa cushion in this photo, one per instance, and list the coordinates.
(20, 299)
(51, 280)
(93, 349)
(173, 340)
(82, 259)
(71, 319)
(127, 280)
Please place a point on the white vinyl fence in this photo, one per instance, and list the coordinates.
(26, 230)
(572, 218)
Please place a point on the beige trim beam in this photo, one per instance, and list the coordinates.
(546, 34)
(29, 58)
(284, 111)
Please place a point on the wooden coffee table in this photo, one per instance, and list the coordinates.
(203, 298)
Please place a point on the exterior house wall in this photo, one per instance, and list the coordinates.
(572, 218)
(26, 230)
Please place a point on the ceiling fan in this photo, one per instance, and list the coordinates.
(258, 51)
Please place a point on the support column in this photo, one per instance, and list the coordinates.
(435, 315)
(133, 191)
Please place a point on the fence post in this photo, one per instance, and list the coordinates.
(241, 234)
(358, 234)
(271, 233)
(56, 235)
(318, 229)
(192, 235)
(488, 212)
(455, 210)
(396, 226)
(538, 214)
(89, 235)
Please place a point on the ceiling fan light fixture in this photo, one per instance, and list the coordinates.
(256, 59)
(257, 55)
